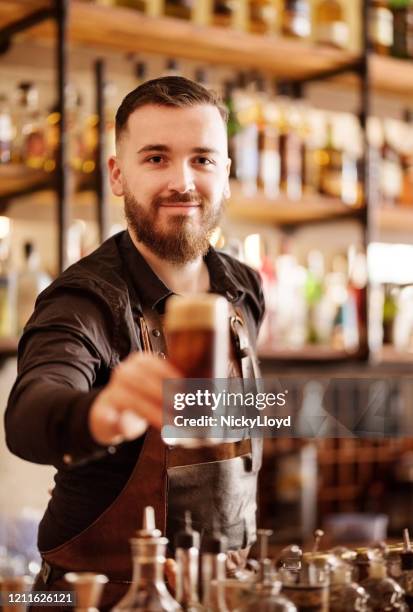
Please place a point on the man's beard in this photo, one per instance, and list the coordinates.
(184, 239)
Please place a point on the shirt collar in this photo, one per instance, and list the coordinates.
(153, 292)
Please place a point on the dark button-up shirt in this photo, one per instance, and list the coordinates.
(83, 325)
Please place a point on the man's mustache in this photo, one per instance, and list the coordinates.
(187, 198)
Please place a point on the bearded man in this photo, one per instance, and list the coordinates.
(93, 358)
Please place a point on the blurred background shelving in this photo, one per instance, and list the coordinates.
(321, 136)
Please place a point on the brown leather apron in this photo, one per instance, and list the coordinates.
(158, 479)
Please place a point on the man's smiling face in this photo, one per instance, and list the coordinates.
(172, 169)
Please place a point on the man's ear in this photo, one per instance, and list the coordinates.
(115, 176)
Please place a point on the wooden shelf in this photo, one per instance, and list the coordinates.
(392, 75)
(390, 355)
(8, 347)
(304, 354)
(11, 10)
(17, 180)
(125, 30)
(397, 218)
(286, 212)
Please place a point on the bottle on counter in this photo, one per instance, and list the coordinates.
(148, 591)
(265, 595)
(88, 589)
(187, 544)
(330, 25)
(6, 131)
(308, 589)
(380, 27)
(296, 18)
(346, 595)
(31, 280)
(213, 572)
(384, 592)
(406, 578)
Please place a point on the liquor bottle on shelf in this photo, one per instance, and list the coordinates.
(182, 9)
(339, 171)
(200, 76)
(402, 28)
(138, 5)
(329, 24)
(246, 140)
(31, 280)
(406, 197)
(291, 146)
(380, 26)
(331, 174)
(233, 126)
(225, 13)
(269, 150)
(391, 177)
(389, 313)
(85, 139)
(171, 67)
(6, 131)
(315, 156)
(314, 289)
(8, 279)
(140, 72)
(357, 290)
(30, 142)
(52, 139)
(296, 18)
(263, 16)
(110, 92)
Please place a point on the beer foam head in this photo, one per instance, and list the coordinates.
(198, 311)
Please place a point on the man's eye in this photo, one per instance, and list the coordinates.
(155, 159)
(204, 161)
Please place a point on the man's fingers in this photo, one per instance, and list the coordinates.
(131, 425)
(121, 399)
(153, 363)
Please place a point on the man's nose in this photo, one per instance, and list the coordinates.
(181, 179)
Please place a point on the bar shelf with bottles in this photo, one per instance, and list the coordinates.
(280, 43)
(29, 136)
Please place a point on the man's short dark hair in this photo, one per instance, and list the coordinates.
(173, 91)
